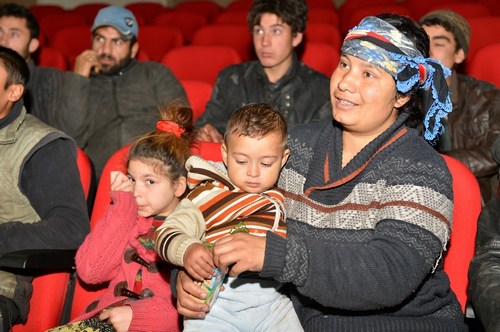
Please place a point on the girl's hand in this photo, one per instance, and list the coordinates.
(120, 182)
(119, 317)
(243, 251)
(186, 305)
(198, 262)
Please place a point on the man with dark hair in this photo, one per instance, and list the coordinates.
(474, 124)
(484, 271)
(278, 78)
(19, 31)
(42, 205)
(113, 98)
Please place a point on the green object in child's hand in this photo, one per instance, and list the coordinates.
(209, 246)
(240, 228)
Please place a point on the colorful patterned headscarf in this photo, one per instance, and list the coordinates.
(381, 44)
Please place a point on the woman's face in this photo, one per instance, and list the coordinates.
(363, 97)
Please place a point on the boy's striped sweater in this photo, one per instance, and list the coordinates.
(223, 207)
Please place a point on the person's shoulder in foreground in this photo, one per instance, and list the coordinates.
(42, 204)
(484, 275)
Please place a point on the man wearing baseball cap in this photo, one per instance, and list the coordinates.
(474, 124)
(114, 98)
(118, 25)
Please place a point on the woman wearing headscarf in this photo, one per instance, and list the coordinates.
(368, 200)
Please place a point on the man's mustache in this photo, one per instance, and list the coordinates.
(105, 57)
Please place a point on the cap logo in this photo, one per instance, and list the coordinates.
(129, 21)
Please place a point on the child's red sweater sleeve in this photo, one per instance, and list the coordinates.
(99, 257)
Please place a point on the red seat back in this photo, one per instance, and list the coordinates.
(419, 8)
(321, 4)
(347, 9)
(480, 66)
(465, 9)
(198, 94)
(466, 209)
(89, 10)
(492, 6)
(187, 22)
(358, 14)
(72, 41)
(157, 40)
(86, 172)
(322, 15)
(147, 10)
(208, 150)
(236, 36)
(200, 63)
(232, 17)
(483, 33)
(322, 57)
(206, 7)
(239, 5)
(50, 57)
(50, 24)
(323, 33)
(40, 10)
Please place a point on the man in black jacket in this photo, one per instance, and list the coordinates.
(278, 78)
(484, 271)
(474, 124)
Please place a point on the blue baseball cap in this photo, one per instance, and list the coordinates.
(119, 18)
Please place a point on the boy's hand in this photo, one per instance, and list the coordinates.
(243, 251)
(198, 262)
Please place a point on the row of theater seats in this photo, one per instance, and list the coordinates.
(202, 23)
(156, 40)
(194, 28)
(354, 10)
(168, 36)
(183, 17)
(197, 66)
(203, 12)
